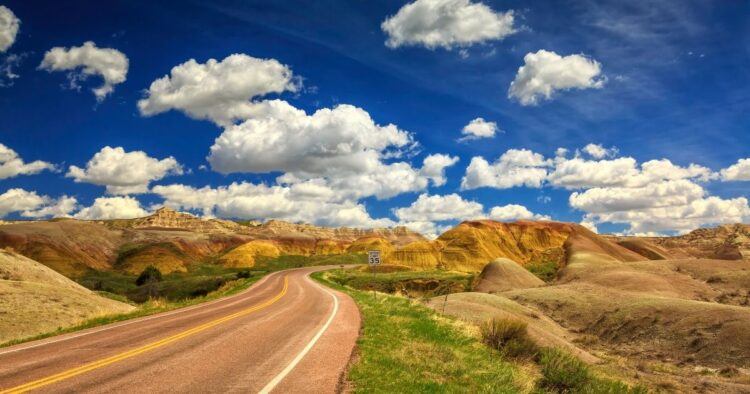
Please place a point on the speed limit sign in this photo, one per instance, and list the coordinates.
(373, 257)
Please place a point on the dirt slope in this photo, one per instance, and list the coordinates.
(36, 299)
(502, 275)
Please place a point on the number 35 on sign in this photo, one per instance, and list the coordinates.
(373, 257)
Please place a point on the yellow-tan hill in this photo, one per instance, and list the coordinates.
(36, 300)
(365, 244)
(167, 257)
(244, 256)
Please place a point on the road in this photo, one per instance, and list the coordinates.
(284, 334)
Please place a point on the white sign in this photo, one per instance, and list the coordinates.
(373, 257)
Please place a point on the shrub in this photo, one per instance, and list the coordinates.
(150, 274)
(510, 337)
(562, 373)
(244, 274)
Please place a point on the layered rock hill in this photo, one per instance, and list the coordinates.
(174, 241)
(726, 242)
(472, 244)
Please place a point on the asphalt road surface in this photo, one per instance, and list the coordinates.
(284, 334)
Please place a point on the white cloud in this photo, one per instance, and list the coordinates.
(124, 172)
(739, 171)
(30, 204)
(9, 25)
(434, 167)
(578, 173)
(439, 208)
(12, 165)
(653, 195)
(516, 167)
(512, 212)
(597, 151)
(220, 91)
(106, 208)
(340, 140)
(546, 72)
(446, 24)
(478, 128)
(85, 61)
(307, 202)
(589, 224)
(61, 207)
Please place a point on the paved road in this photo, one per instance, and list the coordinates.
(284, 334)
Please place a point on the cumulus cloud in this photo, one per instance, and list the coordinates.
(739, 171)
(598, 151)
(107, 208)
(306, 202)
(30, 204)
(512, 212)
(515, 167)
(85, 61)
(124, 172)
(439, 208)
(478, 128)
(546, 72)
(433, 167)
(12, 165)
(220, 91)
(344, 139)
(446, 24)
(9, 25)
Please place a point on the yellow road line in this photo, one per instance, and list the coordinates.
(143, 349)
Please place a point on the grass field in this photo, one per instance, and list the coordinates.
(410, 283)
(407, 348)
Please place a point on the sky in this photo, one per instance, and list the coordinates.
(626, 117)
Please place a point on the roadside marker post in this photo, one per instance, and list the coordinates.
(373, 259)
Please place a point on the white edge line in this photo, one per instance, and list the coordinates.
(278, 378)
(11, 349)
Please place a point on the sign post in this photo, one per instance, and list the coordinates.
(373, 259)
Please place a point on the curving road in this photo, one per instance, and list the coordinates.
(286, 333)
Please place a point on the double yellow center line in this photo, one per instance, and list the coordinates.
(143, 349)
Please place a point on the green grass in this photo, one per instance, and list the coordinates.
(544, 270)
(413, 283)
(405, 347)
(509, 337)
(563, 373)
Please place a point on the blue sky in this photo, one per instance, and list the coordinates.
(655, 80)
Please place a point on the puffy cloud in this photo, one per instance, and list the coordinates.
(434, 167)
(546, 72)
(340, 140)
(85, 61)
(516, 167)
(446, 24)
(61, 207)
(739, 171)
(31, 204)
(306, 202)
(124, 172)
(9, 25)
(12, 165)
(511, 212)
(478, 128)
(681, 218)
(578, 173)
(107, 208)
(220, 91)
(439, 208)
(597, 151)
(652, 195)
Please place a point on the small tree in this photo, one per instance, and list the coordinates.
(149, 275)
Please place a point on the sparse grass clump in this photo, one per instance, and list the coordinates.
(564, 373)
(509, 337)
(544, 270)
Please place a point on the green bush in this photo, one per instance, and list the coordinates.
(244, 274)
(510, 337)
(150, 274)
(562, 372)
(544, 270)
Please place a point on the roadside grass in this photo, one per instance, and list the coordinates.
(564, 373)
(296, 261)
(406, 347)
(409, 283)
